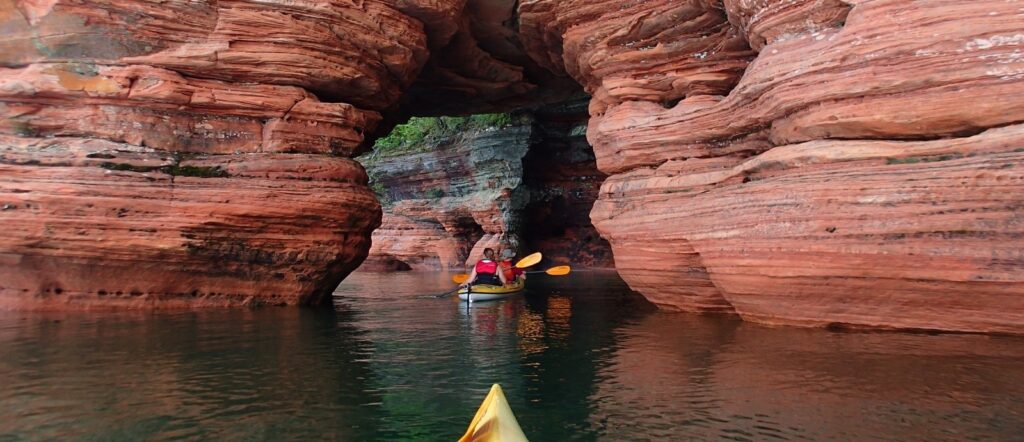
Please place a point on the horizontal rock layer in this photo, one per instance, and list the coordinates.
(191, 154)
(97, 224)
(451, 198)
(528, 185)
(812, 162)
(361, 53)
(864, 172)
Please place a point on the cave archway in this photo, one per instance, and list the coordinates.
(212, 162)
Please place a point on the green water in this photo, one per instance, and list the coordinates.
(580, 358)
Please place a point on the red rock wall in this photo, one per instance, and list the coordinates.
(812, 162)
(865, 171)
(189, 154)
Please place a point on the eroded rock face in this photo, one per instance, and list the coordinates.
(656, 51)
(97, 224)
(189, 154)
(864, 172)
(451, 198)
(484, 68)
(813, 162)
(528, 185)
(362, 54)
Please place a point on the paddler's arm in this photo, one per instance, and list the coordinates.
(501, 276)
(472, 277)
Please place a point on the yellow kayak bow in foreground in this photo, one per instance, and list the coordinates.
(494, 421)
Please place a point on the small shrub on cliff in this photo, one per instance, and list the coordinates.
(416, 134)
(491, 120)
(435, 193)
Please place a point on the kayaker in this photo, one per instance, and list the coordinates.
(509, 268)
(486, 271)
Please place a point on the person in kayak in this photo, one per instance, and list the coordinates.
(512, 273)
(486, 271)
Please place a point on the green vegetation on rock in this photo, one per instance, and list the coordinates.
(416, 134)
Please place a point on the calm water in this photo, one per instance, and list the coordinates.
(580, 358)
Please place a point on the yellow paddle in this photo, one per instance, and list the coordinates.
(529, 260)
(554, 271)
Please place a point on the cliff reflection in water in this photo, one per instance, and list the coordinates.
(239, 374)
(580, 358)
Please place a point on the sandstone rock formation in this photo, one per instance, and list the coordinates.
(450, 198)
(180, 154)
(854, 163)
(864, 172)
(560, 173)
(529, 184)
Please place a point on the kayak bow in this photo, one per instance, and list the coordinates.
(494, 421)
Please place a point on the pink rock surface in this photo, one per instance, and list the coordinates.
(361, 53)
(158, 108)
(866, 175)
(96, 224)
(191, 154)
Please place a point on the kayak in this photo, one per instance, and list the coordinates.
(486, 292)
(494, 421)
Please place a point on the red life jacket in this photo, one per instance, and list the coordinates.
(486, 267)
(511, 271)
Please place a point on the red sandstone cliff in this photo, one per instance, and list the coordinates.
(190, 153)
(810, 162)
(865, 170)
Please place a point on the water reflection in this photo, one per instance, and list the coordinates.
(580, 358)
(696, 377)
(239, 373)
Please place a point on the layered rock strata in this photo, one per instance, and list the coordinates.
(95, 224)
(853, 163)
(188, 154)
(529, 185)
(484, 68)
(864, 172)
(449, 199)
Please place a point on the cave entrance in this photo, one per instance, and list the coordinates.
(467, 232)
(528, 176)
(560, 173)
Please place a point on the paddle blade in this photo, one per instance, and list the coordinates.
(559, 271)
(529, 260)
(460, 278)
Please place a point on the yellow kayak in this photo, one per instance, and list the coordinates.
(484, 292)
(494, 421)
